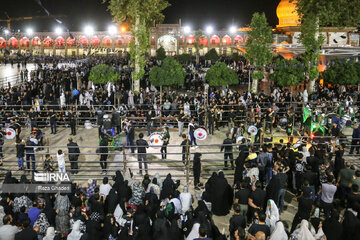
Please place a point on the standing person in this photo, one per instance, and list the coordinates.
(30, 154)
(116, 120)
(74, 152)
(328, 191)
(20, 153)
(103, 152)
(130, 134)
(258, 125)
(304, 209)
(344, 180)
(211, 119)
(282, 188)
(191, 132)
(61, 161)
(166, 139)
(185, 147)
(222, 198)
(150, 122)
(355, 141)
(259, 227)
(17, 128)
(52, 116)
(257, 199)
(72, 122)
(228, 153)
(197, 170)
(180, 119)
(236, 221)
(33, 118)
(141, 149)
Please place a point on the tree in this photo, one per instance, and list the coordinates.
(198, 35)
(287, 72)
(342, 72)
(221, 75)
(258, 45)
(160, 54)
(236, 57)
(212, 55)
(102, 74)
(171, 73)
(322, 13)
(141, 15)
(183, 58)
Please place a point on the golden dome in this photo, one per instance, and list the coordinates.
(286, 12)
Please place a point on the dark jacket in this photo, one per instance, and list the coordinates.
(20, 150)
(142, 145)
(227, 145)
(26, 234)
(73, 148)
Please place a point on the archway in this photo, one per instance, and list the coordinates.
(215, 40)
(107, 41)
(95, 41)
(169, 43)
(48, 42)
(24, 42)
(13, 42)
(226, 40)
(70, 41)
(2, 42)
(60, 42)
(36, 41)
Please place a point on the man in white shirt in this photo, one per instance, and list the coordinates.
(8, 231)
(177, 204)
(105, 187)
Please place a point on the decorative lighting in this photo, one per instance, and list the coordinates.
(232, 29)
(58, 30)
(29, 31)
(123, 29)
(6, 31)
(187, 29)
(112, 29)
(209, 29)
(89, 30)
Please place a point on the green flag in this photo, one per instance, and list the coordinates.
(306, 113)
(340, 110)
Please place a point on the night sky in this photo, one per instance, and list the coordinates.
(197, 13)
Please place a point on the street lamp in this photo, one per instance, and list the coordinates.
(112, 29)
(187, 29)
(209, 29)
(29, 31)
(89, 30)
(58, 30)
(232, 29)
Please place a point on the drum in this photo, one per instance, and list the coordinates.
(88, 125)
(200, 134)
(252, 130)
(155, 140)
(10, 133)
(239, 139)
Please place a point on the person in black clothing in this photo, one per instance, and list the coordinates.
(17, 127)
(72, 122)
(30, 153)
(103, 152)
(107, 125)
(236, 221)
(259, 126)
(52, 116)
(141, 148)
(20, 153)
(33, 117)
(228, 153)
(197, 170)
(150, 122)
(116, 121)
(166, 139)
(1, 150)
(312, 178)
(211, 119)
(355, 141)
(304, 209)
(257, 199)
(74, 152)
(27, 233)
(130, 133)
(185, 144)
(241, 198)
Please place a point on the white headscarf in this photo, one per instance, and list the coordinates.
(303, 232)
(50, 234)
(272, 215)
(279, 232)
(75, 233)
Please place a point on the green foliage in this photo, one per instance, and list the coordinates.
(257, 75)
(160, 54)
(336, 13)
(237, 57)
(220, 75)
(288, 72)
(102, 74)
(198, 34)
(141, 15)
(258, 45)
(343, 73)
(170, 73)
(183, 58)
(149, 11)
(212, 55)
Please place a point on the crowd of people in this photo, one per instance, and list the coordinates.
(314, 170)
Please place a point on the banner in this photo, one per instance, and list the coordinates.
(306, 113)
